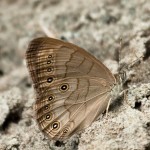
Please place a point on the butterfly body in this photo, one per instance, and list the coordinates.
(72, 87)
(117, 91)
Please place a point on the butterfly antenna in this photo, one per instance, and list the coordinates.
(138, 58)
(120, 48)
(124, 66)
(45, 29)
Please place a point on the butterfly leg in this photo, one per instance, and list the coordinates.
(124, 95)
(108, 107)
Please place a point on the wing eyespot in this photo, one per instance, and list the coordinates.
(50, 56)
(46, 107)
(50, 79)
(50, 69)
(49, 61)
(48, 116)
(65, 131)
(55, 125)
(64, 87)
(51, 97)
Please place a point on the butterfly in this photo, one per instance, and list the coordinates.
(72, 86)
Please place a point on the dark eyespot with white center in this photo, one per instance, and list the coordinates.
(50, 69)
(46, 107)
(49, 61)
(48, 117)
(50, 79)
(51, 97)
(55, 125)
(50, 56)
(64, 87)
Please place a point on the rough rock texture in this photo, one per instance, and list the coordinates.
(127, 126)
(98, 27)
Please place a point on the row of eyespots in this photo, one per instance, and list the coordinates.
(54, 125)
(50, 79)
(64, 87)
(49, 61)
(50, 68)
(47, 106)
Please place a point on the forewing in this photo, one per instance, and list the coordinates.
(47, 57)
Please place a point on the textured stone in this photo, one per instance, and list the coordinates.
(96, 26)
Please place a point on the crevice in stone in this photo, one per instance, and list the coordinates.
(13, 117)
(138, 105)
(1, 73)
(147, 147)
(147, 47)
(59, 143)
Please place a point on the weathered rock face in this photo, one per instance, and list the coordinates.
(97, 27)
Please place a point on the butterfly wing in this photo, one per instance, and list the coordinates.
(72, 87)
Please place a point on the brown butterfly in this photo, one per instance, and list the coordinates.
(72, 87)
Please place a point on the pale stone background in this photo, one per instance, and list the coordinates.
(97, 26)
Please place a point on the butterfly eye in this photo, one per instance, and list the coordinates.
(51, 97)
(55, 125)
(64, 87)
(50, 79)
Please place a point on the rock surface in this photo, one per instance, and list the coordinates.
(97, 26)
